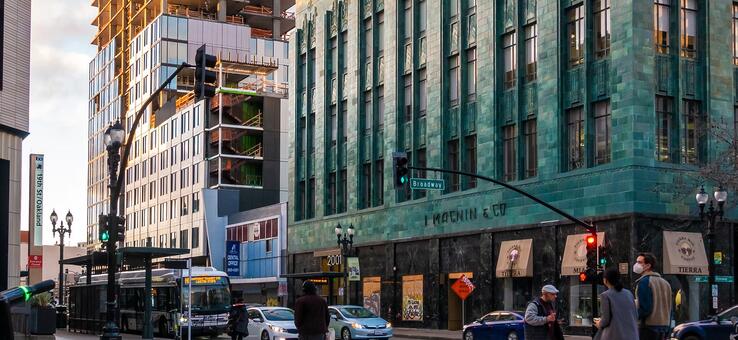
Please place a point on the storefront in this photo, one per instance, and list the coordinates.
(515, 269)
(574, 261)
(686, 267)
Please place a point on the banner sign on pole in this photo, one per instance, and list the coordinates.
(354, 272)
(233, 258)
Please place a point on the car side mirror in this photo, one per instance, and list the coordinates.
(734, 320)
(333, 317)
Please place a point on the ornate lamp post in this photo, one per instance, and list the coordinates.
(61, 230)
(711, 215)
(345, 241)
(113, 141)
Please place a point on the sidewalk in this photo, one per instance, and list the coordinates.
(439, 334)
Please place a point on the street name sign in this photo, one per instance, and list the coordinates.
(718, 279)
(427, 184)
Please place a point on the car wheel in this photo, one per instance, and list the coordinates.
(691, 337)
(468, 335)
(512, 336)
(345, 334)
(264, 335)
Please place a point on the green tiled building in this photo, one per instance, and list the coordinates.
(598, 107)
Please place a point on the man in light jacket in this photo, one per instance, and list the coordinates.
(540, 316)
(653, 299)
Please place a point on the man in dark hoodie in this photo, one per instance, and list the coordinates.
(311, 314)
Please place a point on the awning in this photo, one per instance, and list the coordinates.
(574, 260)
(515, 259)
(684, 254)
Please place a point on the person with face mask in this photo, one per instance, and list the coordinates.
(540, 316)
(653, 299)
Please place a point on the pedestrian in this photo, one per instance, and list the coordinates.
(619, 319)
(653, 299)
(238, 321)
(540, 316)
(311, 314)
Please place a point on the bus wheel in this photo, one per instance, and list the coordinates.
(163, 329)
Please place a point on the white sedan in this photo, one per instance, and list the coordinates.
(272, 323)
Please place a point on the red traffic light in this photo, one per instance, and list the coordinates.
(591, 239)
(582, 277)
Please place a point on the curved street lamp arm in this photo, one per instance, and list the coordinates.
(590, 227)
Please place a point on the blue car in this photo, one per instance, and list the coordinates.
(356, 322)
(718, 327)
(500, 325)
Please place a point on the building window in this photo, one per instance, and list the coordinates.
(422, 92)
(575, 33)
(470, 159)
(173, 240)
(664, 112)
(195, 238)
(422, 163)
(183, 238)
(602, 28)
(471, 72)
(379, 181)
(195, 202)
(530, 133)
(183, 206)
(509, 157)
(344, 191)
(661, 24)
(689, 29)
(531, 52)
(453, 88)
(453, 164)
(575, 137)
(510, 55)
(311, 199)
(366, 181)
(331, 204)
(408, 100)
(302, 197)
(693, 131)
(603, 122)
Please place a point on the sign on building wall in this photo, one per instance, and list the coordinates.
(35, 261)
(37, 198)
(412, 298)
(372, 289)
(354, 273)
(233, 258)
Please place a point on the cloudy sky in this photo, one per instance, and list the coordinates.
(60, 54)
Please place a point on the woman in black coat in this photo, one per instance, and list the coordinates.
(238, 322)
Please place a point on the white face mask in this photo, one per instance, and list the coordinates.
(637, 268)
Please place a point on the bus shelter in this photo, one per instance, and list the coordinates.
(89, 317)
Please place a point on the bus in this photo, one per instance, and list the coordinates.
(211, 302)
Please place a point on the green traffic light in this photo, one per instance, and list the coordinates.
(104, 236)
(603, 262)
(26, 292)
(403, 179)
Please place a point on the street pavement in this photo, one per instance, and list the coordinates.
(400, 334)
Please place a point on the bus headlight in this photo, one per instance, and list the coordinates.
(183, 320)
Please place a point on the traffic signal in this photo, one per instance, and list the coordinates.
(120, 231)
(400, 172)
(591, 242)
(602, 255)
(103, 229)
(204, 79)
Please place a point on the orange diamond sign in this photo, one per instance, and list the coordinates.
(463, 287)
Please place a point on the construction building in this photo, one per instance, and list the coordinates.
(191, 161)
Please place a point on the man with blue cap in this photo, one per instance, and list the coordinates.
(540, 316)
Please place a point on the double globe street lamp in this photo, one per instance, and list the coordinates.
(113, 139)
(345, 240)
(720, 196)
(61, 230)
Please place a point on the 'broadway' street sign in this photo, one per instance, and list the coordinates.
(427, 184)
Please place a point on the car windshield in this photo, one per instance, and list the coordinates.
(278, 314)
(357, 312)
(727, 314)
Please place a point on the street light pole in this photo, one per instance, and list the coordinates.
(61, 230)
(711, 216)
(113, 141)
(345, 241)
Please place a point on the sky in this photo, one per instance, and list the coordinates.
(60, 54)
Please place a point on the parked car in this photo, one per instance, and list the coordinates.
(496, 325)
(717, 327)
(356, 322)
(267, 323)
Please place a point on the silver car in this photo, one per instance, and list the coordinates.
(356, 322)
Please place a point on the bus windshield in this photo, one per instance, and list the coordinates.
(209, 299)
